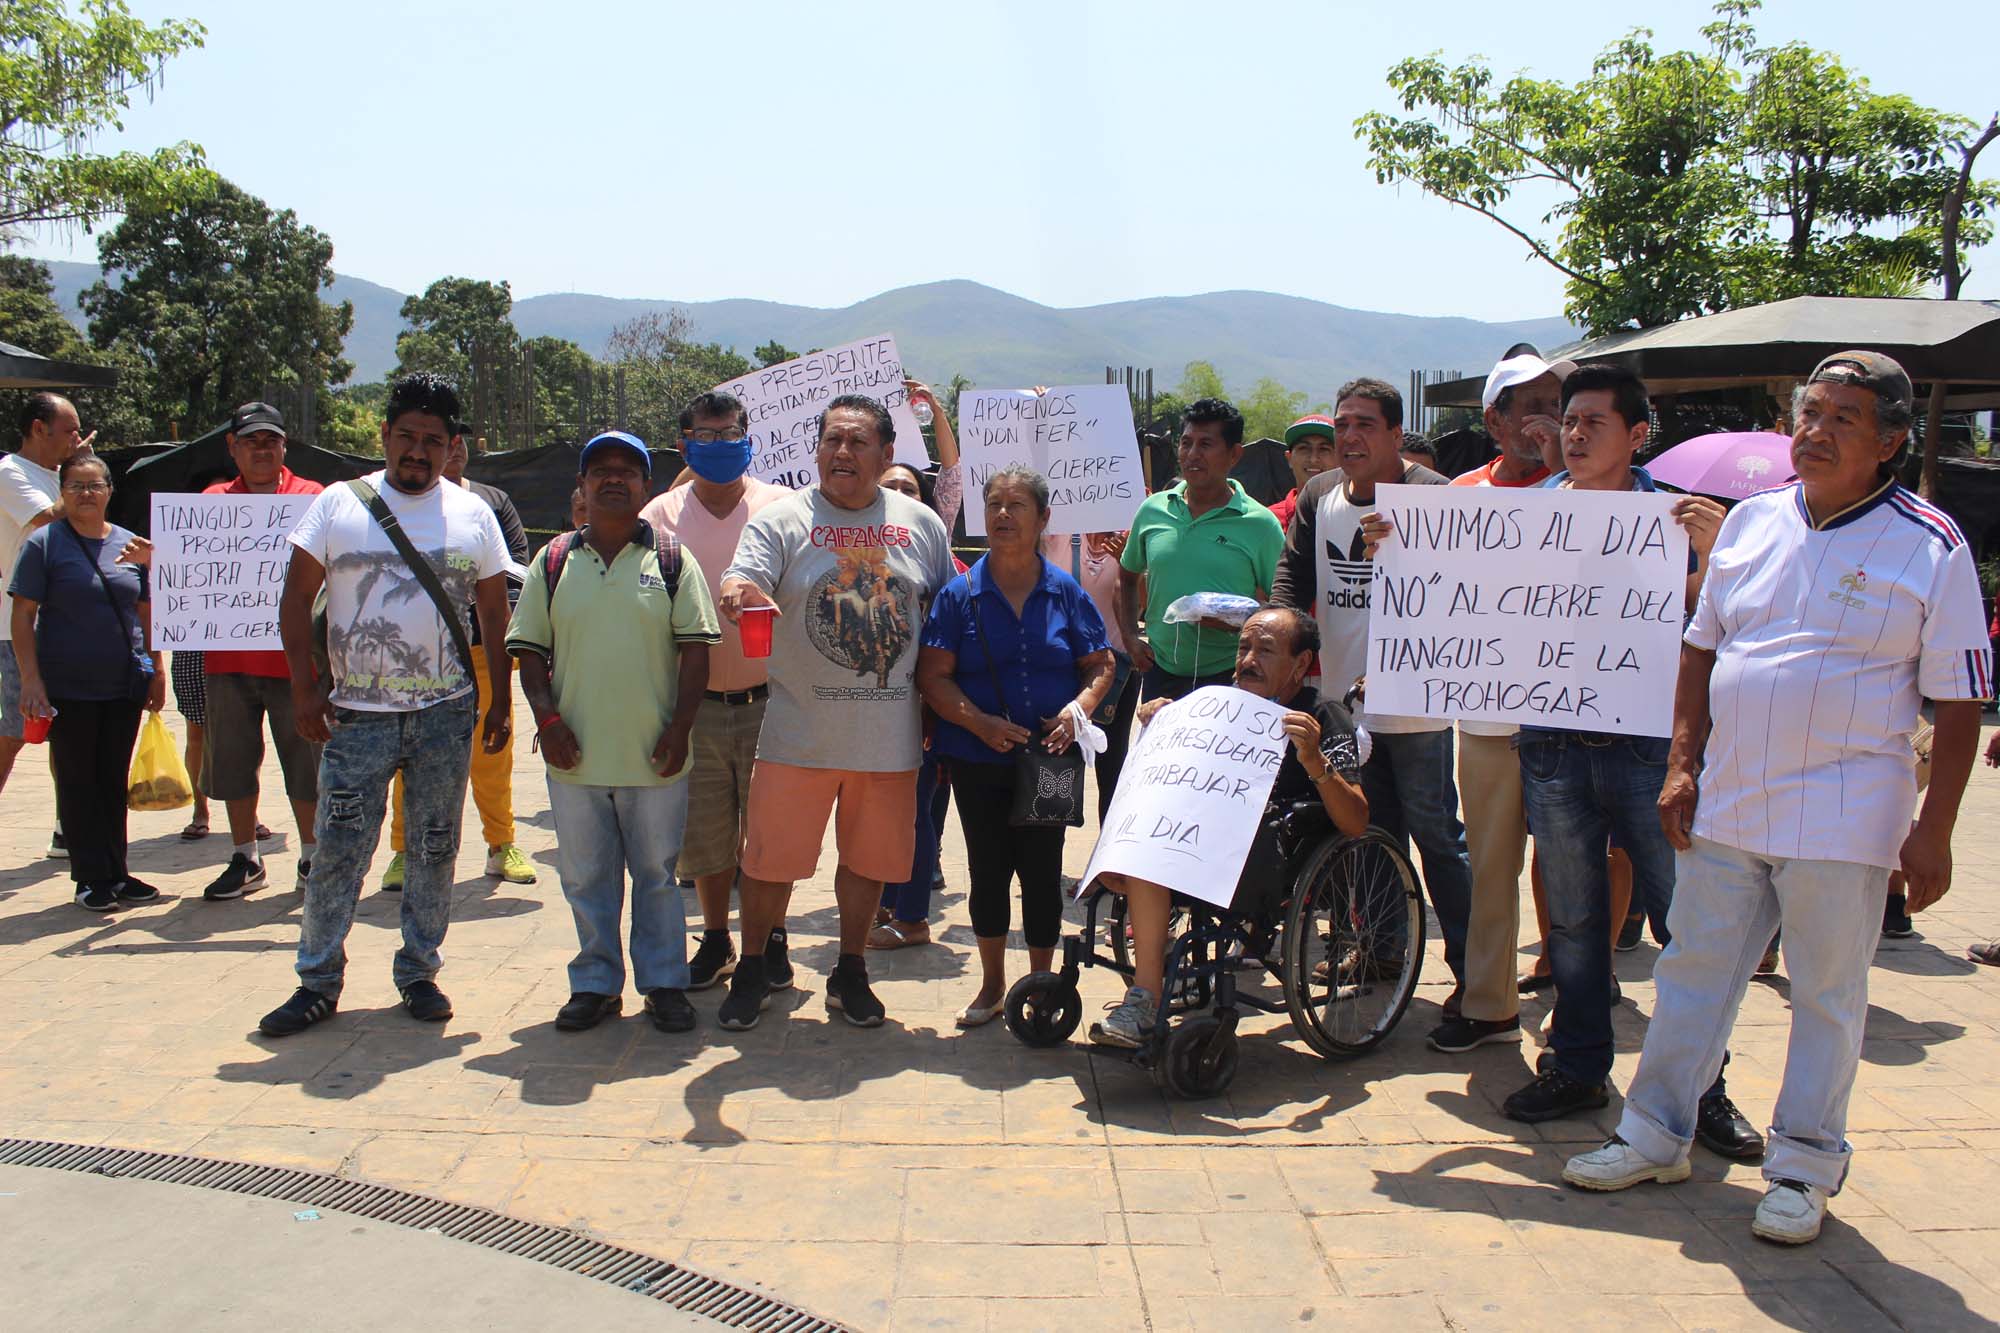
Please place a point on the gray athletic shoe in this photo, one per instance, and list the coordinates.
(1130, 1021)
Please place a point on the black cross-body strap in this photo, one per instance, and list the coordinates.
(427, 577)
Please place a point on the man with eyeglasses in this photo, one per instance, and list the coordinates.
(708, 516)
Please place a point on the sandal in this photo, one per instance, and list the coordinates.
(899, 934)
(196, 830)
(263, 834)
(973, 1016)
(1987, 952)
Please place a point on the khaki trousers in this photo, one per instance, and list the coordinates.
(1496, 842)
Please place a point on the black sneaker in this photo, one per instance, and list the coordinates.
(237, 878)
(778, 960)
(1461, 1034)
(305, 872)
(1896, 918)
(670, 1010)
(305, 1008)
(1552, 1096)
(848, 995)
(132, 890)
(426, 1003)
(748, 994)
(1724, 1131)
(714, 960)
(58, 849)
(1629, 933)
(586, 1010)
(96, 897)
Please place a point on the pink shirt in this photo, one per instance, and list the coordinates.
(712, 543)
(1100, 579)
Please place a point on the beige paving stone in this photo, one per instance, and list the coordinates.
(771, 1203)
(932, 1314)
(1231, 1314)
(1732, 1314)
(986, 1204)
(1004, 1270)
(1437, 1234)
(850, 1281)
(1456, 1274)
(1529, 1312)
(1265, 1254)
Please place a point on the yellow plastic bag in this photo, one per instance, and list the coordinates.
(159, 780)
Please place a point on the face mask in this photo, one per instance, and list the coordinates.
(717, 461)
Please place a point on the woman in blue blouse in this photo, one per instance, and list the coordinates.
(1017, 621)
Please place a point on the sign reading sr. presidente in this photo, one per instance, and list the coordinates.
(1552, 608)
(784, 402)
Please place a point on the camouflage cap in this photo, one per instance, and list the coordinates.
(1867, 370)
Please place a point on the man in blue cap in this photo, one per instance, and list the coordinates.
(614, 660)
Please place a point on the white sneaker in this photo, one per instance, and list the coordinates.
(1130, 1021)
(1791, 1212)
(1618, 1165)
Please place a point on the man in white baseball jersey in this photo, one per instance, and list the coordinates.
(1833, 607)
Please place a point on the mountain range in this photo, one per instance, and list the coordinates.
(1000, 340)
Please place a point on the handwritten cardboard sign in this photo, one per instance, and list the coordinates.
(219, 567)
(1079, 437)
(1192, 794)
(784, 402)
(1550, 608)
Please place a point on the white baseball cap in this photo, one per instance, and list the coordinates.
(1522, 369)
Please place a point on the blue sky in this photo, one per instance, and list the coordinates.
(1072, 153)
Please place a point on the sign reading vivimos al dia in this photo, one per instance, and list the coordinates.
(1551, 608)
(1079, 437)
(218, 569)
(784, 402)
(1192, 794)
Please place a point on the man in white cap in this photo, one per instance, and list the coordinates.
(1833, 607)
(1523, 406)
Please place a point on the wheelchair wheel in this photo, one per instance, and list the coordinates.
(1200, 1058)
(1354, 941)
(1043, 1009)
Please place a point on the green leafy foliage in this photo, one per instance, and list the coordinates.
(67, 73)
(664, 368)
(1686, 182)
(216, 301)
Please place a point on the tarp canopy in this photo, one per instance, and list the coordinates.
(1264, 471)
(1954, 341)
(23, 369)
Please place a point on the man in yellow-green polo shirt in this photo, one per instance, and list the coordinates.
(614, 664)
(1202, 534)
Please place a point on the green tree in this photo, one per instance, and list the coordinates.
(664, 367)
(560, 368)
(29, 313)
(1685, 182)
(1200, 380)
(454, 319)
(219, 300)
(1268, 408)
(66, 77)
(774, 352)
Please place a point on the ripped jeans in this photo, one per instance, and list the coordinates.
(433, 747)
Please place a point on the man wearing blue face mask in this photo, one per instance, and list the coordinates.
(708, 515)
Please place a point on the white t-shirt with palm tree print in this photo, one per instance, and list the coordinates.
(389, 650)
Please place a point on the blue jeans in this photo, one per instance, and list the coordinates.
(433, 747)
(1413, 798)
(1579, 788)
(603, 834)
(910, 901)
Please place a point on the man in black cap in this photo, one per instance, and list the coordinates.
(1833, 607)
(248, 689)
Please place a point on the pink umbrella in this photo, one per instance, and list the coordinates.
(1728, 465)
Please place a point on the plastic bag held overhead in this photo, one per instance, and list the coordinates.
(159, 780)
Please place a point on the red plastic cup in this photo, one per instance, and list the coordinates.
(35, 730)
(754, 624)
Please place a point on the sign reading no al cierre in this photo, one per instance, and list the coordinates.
(1549, 608)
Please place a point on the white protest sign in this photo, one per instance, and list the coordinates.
(784, 402)
(1080, 438)
(1551, 608)
(1192, 794)
(218, 568)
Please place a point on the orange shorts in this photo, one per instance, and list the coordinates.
(874, 829)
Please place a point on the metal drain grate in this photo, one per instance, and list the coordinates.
(656, 1279)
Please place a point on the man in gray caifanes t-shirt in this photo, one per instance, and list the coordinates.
(850, 568)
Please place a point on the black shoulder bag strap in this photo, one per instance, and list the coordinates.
(427, 577)
(142, 665)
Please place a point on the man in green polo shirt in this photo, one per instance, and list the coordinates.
(614, 665)
(1202, 534)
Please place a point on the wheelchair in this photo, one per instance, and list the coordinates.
(1338, 921)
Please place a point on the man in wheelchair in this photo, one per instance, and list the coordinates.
(1274, 654)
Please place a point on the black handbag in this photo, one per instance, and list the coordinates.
(1048, 788)
(139, 684)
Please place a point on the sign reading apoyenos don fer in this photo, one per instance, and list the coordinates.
(1550, 608)
(1192, 794)
(219, 568)
(1080, 438)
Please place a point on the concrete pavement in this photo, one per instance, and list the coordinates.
(919, 1177)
